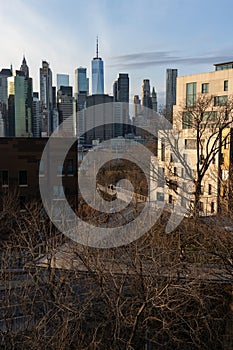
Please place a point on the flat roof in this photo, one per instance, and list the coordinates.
(220, 64)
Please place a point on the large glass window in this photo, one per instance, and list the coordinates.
(220, 100)
(191, 94)
(209, 116)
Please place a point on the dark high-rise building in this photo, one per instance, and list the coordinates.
(65, 102)
(154, 103)
(97, 66)
(121, 111)
(46, 98)
(171, 75)
(93, 116)
(121, 88)
(36, 115)
(146, 96)
(4, 74)
(24, 68)
(137, 105)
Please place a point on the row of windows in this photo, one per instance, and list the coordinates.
(191, 90)
(22, 178)
(160, 198)
(205, 87)
(68, 168)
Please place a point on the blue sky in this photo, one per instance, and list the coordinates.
(141, 38)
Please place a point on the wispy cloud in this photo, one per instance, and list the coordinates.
(163, 58)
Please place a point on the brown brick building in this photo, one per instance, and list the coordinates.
(21, 170)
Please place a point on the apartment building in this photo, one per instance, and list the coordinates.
(198, 149)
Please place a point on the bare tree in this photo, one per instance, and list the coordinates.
(203, 127)
(67, 296)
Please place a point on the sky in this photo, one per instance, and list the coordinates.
(141, 38)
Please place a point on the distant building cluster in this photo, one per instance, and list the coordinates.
(26, 113)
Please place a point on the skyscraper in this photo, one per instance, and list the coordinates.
(97, 67)
(146, 97)
(154, 103)
(65, 102)
(121, 111)
(20, 103)
(121, 88)
(36, 115)
(46, 98)
(62, 80)
(81, 81)
(171, 75)
(4, 74)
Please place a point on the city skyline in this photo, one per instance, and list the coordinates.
(141, 40)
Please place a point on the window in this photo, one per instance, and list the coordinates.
(212, 207)
(23, 178)
(58, 192)
(160, 177)
(225, 143)
(210, 189)
(162, 150)
(170, 199)
(225, 85)
(5, 178)
(175, 171)
(220, 100)
(201, 206)
(187, 120)
(70, 167)
(209, 116)
(190, 143)
(173, 185)
(22, 201)
(60, 170)
(160, 197)
(202, 189)
(221, 158)
(190, 94)
(41, 168)
(205, 88)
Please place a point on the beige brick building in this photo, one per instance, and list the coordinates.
(203, 103)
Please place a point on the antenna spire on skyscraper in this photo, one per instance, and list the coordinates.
(97, 47)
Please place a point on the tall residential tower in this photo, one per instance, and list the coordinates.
(171, 75)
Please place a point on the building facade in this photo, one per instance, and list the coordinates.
(202, 120)
(22, 169)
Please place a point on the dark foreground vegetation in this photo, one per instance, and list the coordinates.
(164, 291)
